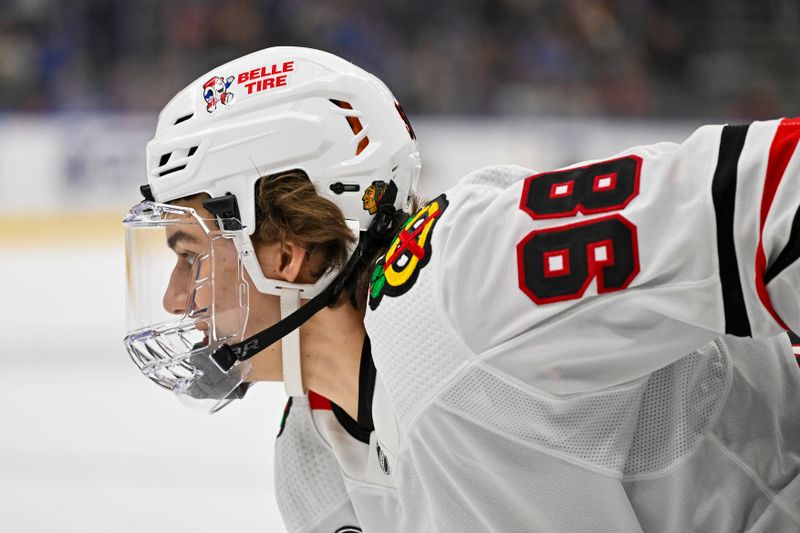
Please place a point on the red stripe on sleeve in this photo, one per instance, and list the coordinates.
(781, 151)
(318, 402)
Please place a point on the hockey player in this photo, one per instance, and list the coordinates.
(597, 348)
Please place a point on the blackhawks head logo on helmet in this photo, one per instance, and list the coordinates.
(372, 196)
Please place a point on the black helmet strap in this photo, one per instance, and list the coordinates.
(228, 354)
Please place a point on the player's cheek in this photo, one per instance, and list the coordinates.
(227, 276)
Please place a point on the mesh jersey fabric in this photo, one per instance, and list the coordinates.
(614, 411)
(309, 486)
(707, 444)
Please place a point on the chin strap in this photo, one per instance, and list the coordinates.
(293, 315)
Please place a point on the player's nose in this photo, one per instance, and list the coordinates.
(176, 297)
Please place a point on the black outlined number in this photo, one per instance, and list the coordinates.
(558, 263)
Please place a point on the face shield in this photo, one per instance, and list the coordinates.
(187, 295)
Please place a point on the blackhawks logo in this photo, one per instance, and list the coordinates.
(396, 272)
(372, 196)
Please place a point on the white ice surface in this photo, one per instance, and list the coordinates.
(87, 444)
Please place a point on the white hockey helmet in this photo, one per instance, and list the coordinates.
(275, 110)
(280, 109)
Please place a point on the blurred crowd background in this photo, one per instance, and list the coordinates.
(640, 58)
(89, 445)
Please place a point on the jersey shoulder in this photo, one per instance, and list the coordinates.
(412, 250)
(414, 346)
(498, 176)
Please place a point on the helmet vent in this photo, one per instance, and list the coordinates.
(355, 125)
(170, 171)
(184, 118)
(182, 156)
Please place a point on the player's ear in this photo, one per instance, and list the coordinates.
(282, 260)
(292, 260)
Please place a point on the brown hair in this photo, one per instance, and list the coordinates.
(289, 207)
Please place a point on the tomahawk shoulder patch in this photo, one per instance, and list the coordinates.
(397, 271)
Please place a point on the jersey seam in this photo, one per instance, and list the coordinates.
(345, 476)
(763, 487)
(547, 451)
(527, 387)
(438, 273)
(522, 338)
(617, 388)
(346, 498)
(427, 402)
(326, 513)
(712, 421)
(368, 484)
(464, 182)
(655, 474)
(474, 356)
(319, 433)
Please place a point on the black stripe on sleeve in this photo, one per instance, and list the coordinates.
(794, 338)
(723, 190)
(789, 254)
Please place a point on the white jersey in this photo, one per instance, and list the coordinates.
(571, 351)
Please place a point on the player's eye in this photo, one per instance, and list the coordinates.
(190, 258)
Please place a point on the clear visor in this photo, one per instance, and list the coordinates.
(186, 296)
